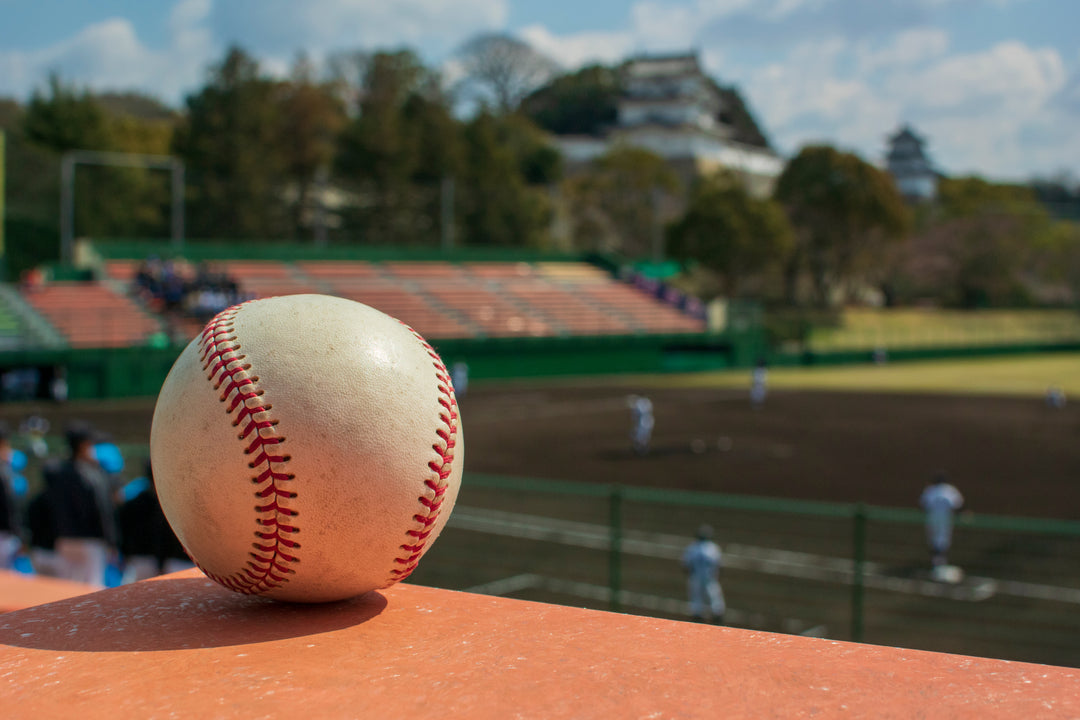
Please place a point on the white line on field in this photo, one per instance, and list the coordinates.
(788, 563)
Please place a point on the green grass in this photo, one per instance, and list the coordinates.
(1027, 376)
(867, 328)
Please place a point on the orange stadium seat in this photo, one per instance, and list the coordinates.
(92, 315)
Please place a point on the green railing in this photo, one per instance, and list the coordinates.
(842, 570)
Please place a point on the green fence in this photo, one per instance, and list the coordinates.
(843, 571)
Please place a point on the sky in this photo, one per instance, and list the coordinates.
(992, 85)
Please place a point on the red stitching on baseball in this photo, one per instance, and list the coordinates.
(436, 485)
(268, 567)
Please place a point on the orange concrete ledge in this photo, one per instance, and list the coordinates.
(180, 646)
(18, 591)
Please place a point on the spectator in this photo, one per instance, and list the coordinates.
(40, 523)
(702, 561)
(10, 523)
(147, 542)
(81, 505)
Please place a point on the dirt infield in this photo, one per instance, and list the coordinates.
(1010, 456)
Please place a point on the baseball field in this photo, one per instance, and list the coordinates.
(534, 516)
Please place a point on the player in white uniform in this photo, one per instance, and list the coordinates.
(940, 501)
(759, 380)
(642, 413)
(702, 561)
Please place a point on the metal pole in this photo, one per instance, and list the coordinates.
(657, 229)
(3, 249)
(858, 572)
(178, 206)
(447, 212)
(67, 208)
(615, 500)
(322, 177)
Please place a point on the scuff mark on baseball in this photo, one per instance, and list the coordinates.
(307, 448)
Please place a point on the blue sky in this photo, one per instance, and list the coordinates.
(994, 85)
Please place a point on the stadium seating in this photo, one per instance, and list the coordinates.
(266, 278)
(92, 315)
(471, 299)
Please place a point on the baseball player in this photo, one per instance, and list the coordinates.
(759, 379)
(702, 560)
(940, 501)
(641, 411)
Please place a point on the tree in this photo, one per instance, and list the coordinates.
(580, 103)
(500, 207)
(65, 119)
(983, 245)
(109, 201)
(232, 145)
(396, 150)
(618, 203)
(503, 69)
(312, 117)
(730, 233)
(844, 211)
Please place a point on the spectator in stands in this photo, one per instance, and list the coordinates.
(80, 501)
(701, 560)
(173, 287)
(10, 521)
(147, 542)
(164, 288)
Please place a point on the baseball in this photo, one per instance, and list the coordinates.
(307, 448)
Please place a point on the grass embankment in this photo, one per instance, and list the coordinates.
(910, 328)
(1027, 375)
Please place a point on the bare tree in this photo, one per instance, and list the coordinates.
(503, 69)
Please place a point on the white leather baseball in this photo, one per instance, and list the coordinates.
(307, 448)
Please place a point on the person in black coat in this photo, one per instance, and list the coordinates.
(147, 542)
(79, 499)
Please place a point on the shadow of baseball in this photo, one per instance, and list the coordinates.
(176, 613)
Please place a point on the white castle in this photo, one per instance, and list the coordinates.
(671, 107)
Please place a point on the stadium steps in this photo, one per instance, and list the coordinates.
(32, 329)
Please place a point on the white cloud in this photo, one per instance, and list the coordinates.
(282, 27)
(1009, 76)
(110, 54)
(916, 46)
(575, 50)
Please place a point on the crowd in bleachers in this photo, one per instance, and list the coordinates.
(74, 517)
(169, 287)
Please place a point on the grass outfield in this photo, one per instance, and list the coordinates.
(914, 327)
(1024, 376)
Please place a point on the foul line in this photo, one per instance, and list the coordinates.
(787, 563)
